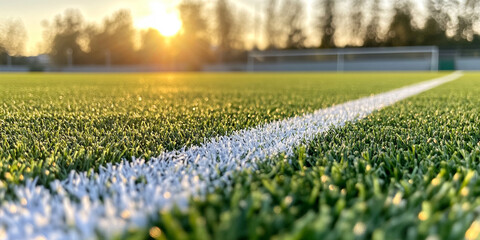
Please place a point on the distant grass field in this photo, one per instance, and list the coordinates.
(51, 124)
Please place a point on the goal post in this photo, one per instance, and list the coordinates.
(346, 59)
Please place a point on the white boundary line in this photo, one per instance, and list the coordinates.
(124, 195)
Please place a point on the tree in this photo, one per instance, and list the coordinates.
(229, 32)
(152, 50)
(293, 33)
(372, 34)
(114, 40)
(401, 32)
(193, 43)
(326, 24)
(63, 37)
(194, 23)
(434, 31)
(3, 55)
(466, 20)
(356, 19)
(271, 24)
(13, 38)
(224, 28)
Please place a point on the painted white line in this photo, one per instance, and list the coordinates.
(124, 195)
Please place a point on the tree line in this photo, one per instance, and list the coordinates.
(13, 36)
(117, 42)
(217, 31)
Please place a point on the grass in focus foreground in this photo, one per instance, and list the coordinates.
(51, 124)
(410, 171)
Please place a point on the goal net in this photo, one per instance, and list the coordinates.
(346, 59)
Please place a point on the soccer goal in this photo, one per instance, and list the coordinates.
(346, 59)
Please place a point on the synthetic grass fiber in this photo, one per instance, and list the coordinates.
(172, 226)
(51, 124)
(410, 171)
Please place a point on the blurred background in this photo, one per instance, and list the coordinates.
(221, 35)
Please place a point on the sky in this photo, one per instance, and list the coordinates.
(33, 12)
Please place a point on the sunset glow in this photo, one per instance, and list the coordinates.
(165, 20)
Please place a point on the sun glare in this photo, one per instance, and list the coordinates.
(166, 21)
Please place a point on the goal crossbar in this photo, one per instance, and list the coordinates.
(341, 53)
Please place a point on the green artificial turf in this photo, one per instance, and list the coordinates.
(410, 171)
(51, 124)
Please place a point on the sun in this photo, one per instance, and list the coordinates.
(166, 21)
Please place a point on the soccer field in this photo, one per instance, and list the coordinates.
(406, 171)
